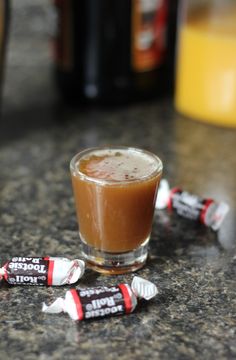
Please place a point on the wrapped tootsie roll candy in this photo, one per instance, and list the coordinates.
(42, 271)
(102, 301)
(207, 211)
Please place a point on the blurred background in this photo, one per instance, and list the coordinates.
(91, 53)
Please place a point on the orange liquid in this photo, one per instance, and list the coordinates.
(115, 216)
(206, 67)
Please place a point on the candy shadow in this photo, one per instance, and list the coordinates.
(174, 236)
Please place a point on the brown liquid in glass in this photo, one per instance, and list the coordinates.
(115, 216)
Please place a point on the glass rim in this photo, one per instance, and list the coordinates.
(76, 172)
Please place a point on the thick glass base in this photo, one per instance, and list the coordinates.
(115, 263)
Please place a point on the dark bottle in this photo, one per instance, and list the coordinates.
(4, 25)
(112, 51)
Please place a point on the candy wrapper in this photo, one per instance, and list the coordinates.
(42, 271)
(102, 301)
(207, 211)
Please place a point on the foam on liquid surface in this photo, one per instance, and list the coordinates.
(117, 165)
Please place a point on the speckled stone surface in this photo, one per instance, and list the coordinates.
(193, 317)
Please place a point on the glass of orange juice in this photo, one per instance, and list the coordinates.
(115, 190)
(206, 61)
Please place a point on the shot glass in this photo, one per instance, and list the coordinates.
(115, 190)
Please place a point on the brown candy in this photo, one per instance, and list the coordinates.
(42, 271)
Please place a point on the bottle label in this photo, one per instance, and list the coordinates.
(149, 27)
(61, 33)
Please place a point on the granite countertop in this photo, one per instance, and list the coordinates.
(193, 316)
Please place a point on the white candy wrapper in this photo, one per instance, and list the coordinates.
(102, 301)
(206, 211)
(42, 271)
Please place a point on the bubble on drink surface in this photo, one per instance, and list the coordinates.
(118, 165)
